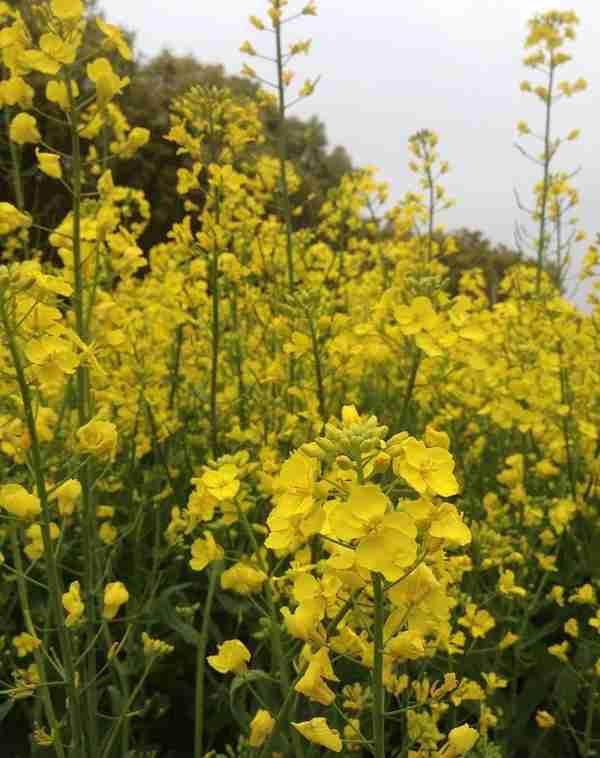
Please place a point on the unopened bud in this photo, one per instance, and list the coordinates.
(312, 450)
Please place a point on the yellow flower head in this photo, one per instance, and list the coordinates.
(318, 731)
(98, 438)
(223, 483)
(25, 644)
(16, 500)
(204, 551)
(261, 727)
(427, 469)
(49, 164)
(108, 84)
(67, 10)
(115, 595)
(232, 656)
(23, 129)
(73, 604)
(243, 579)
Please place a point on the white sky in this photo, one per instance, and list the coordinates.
(392, 67)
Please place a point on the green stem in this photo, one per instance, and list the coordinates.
(177, 362)
(239, 361)
(318, 368)
(275, 628)
(412, 380)
(378, 708)
(201, 660)
(282, 152)
(55, 584)
(589, 722)
(545, 184)
(125, 712)
(39, 659)
(89, 527)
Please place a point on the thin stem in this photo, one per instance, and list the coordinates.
(412, 379)
(89, 530)
(318, 368)
(282, 151)
(125, 712)
(276, 638)
(39, 659)
(55, 584)
(545, 184)
(378, 707)
(201, 660)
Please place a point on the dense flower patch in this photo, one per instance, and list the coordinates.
(285, 471)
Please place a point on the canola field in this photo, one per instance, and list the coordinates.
(270, 489)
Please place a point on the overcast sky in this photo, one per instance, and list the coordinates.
(392, 67)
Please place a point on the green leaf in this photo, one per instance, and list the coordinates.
(169, 616)
(6, 708)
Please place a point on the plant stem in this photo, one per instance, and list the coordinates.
(201, 660)
(281, 661)
(125, 712)
(378, 708)
(39, 659)
(89, 527)
(55, 585)
(545, 183)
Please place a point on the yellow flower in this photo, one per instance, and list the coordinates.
(204, 551)
(507, 585)
(52, 358)
(493, 682)
(312, 684)
(73, 604)
(114, 38)
(447, 525)
(115, 595)
(317, 730)
(222, 483)
(427, 468)
(386, 540)
(406, 646)
(478, 622)
(11, 218)
(67, 10)
(154, 648)
(16, 500)
(545, 720)
(98, 438)
(243, 579)
(107, 533)
(49, 164)
(35, 547)
(584, 595)
(25, 644)
(56, 92)
(261, 727)
(16, 91)
(67, 494)
(416, 317)
(57, 49)
(232, 656)
(560, 651)
(108, 84)
(571, 627)
(508, 640)
(460, 740)
(23, 129)
(257, 23)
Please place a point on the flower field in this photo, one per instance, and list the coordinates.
(278, 489)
